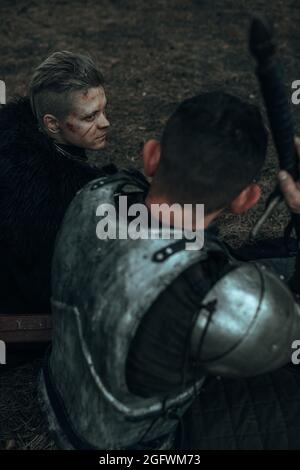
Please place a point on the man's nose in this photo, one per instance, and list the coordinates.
(103, 122)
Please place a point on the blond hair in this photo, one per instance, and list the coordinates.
(55, 79)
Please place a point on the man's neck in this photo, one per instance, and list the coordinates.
(56, 138)
(152, 199)
(67, 149)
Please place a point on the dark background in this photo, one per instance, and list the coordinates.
(153, 54)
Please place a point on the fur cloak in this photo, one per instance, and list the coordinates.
(36, 186)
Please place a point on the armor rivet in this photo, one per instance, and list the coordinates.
(281, 277)
(274, 347)
(160, 256)
(169, 251)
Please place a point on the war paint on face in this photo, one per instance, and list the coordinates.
(86, 126)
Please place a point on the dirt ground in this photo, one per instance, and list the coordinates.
(153, 54)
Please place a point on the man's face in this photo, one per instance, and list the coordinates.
(86, 125)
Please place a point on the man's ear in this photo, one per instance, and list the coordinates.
(151, 157)
(51, 123)
(246, 199)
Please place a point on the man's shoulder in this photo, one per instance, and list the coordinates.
(127, 182)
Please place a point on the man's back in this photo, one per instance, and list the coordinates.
(159, 356)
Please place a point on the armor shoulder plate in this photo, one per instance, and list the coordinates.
(246, 323)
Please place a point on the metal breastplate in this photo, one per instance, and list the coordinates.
(101, 291)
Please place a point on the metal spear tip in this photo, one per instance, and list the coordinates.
(261, 38)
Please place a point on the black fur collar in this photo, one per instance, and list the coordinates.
(19, 126)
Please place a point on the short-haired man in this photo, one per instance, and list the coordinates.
(145, 320)
(43, 164)
(68, 100)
